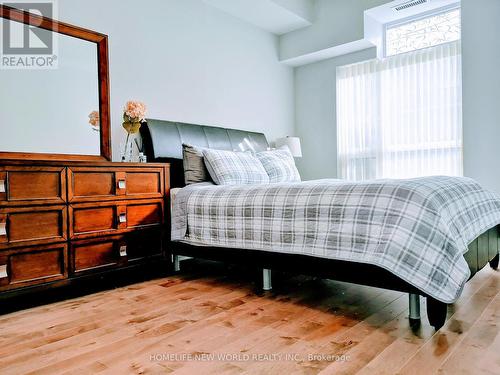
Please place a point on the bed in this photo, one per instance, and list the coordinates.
(423, 270)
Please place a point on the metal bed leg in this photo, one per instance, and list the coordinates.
(414, 308)
(177, 262)
(266, 279)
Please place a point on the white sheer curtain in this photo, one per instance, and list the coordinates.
(401, 117)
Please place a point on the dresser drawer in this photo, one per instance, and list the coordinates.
(114, 251)
(32, 185)
(92, 219)
(32, 225)
(35, 265)
(90, 184)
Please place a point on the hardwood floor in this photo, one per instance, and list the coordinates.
(304, 325)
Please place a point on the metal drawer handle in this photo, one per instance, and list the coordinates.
(123, 251)
(2, 186)
(3, 229)
(122, 218)
(122, 184)
(3, 271)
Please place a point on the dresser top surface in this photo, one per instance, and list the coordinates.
(109, 164)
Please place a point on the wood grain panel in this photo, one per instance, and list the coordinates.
(33, 185)
(95, 184)
(34, 225)
(108, 218)
(94, 219)
(35, 265)
(28, 266)
(144, 183)
(89, 256)
(106, 184)
(144, 214)
(114, 251)
(22, 228)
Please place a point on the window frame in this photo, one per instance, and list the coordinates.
(417, 17)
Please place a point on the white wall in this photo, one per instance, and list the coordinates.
(481, 90)
(189, 62)
(315, 114)
(336, 22)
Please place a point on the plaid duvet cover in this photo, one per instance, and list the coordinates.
(418, 229)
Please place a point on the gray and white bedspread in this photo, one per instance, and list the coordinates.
(418, 229)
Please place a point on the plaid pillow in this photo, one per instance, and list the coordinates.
(234, 168)
(279, 165)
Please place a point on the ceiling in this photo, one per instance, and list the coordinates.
(276, 16)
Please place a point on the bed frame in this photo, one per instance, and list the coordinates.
(163, 143)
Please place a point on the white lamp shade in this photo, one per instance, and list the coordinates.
(293, 144)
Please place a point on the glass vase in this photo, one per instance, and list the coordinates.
(127, 149)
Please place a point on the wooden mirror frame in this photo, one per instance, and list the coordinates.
(101, 41)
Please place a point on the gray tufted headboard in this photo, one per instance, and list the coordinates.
(163, 142)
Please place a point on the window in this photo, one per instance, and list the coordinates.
(401, 117)
(423, 32)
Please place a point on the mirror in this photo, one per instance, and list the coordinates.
(46, 110)
(45, 107)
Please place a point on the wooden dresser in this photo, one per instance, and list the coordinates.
(61, 221)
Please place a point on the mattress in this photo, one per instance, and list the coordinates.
(173, 193)
(418, 229)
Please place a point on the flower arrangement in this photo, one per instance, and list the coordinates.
(134, 114)
(94, 120)
(135, 111)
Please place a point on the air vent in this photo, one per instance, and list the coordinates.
(409, 4)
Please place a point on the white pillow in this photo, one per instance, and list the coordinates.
(234, 168)
(279, 165)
